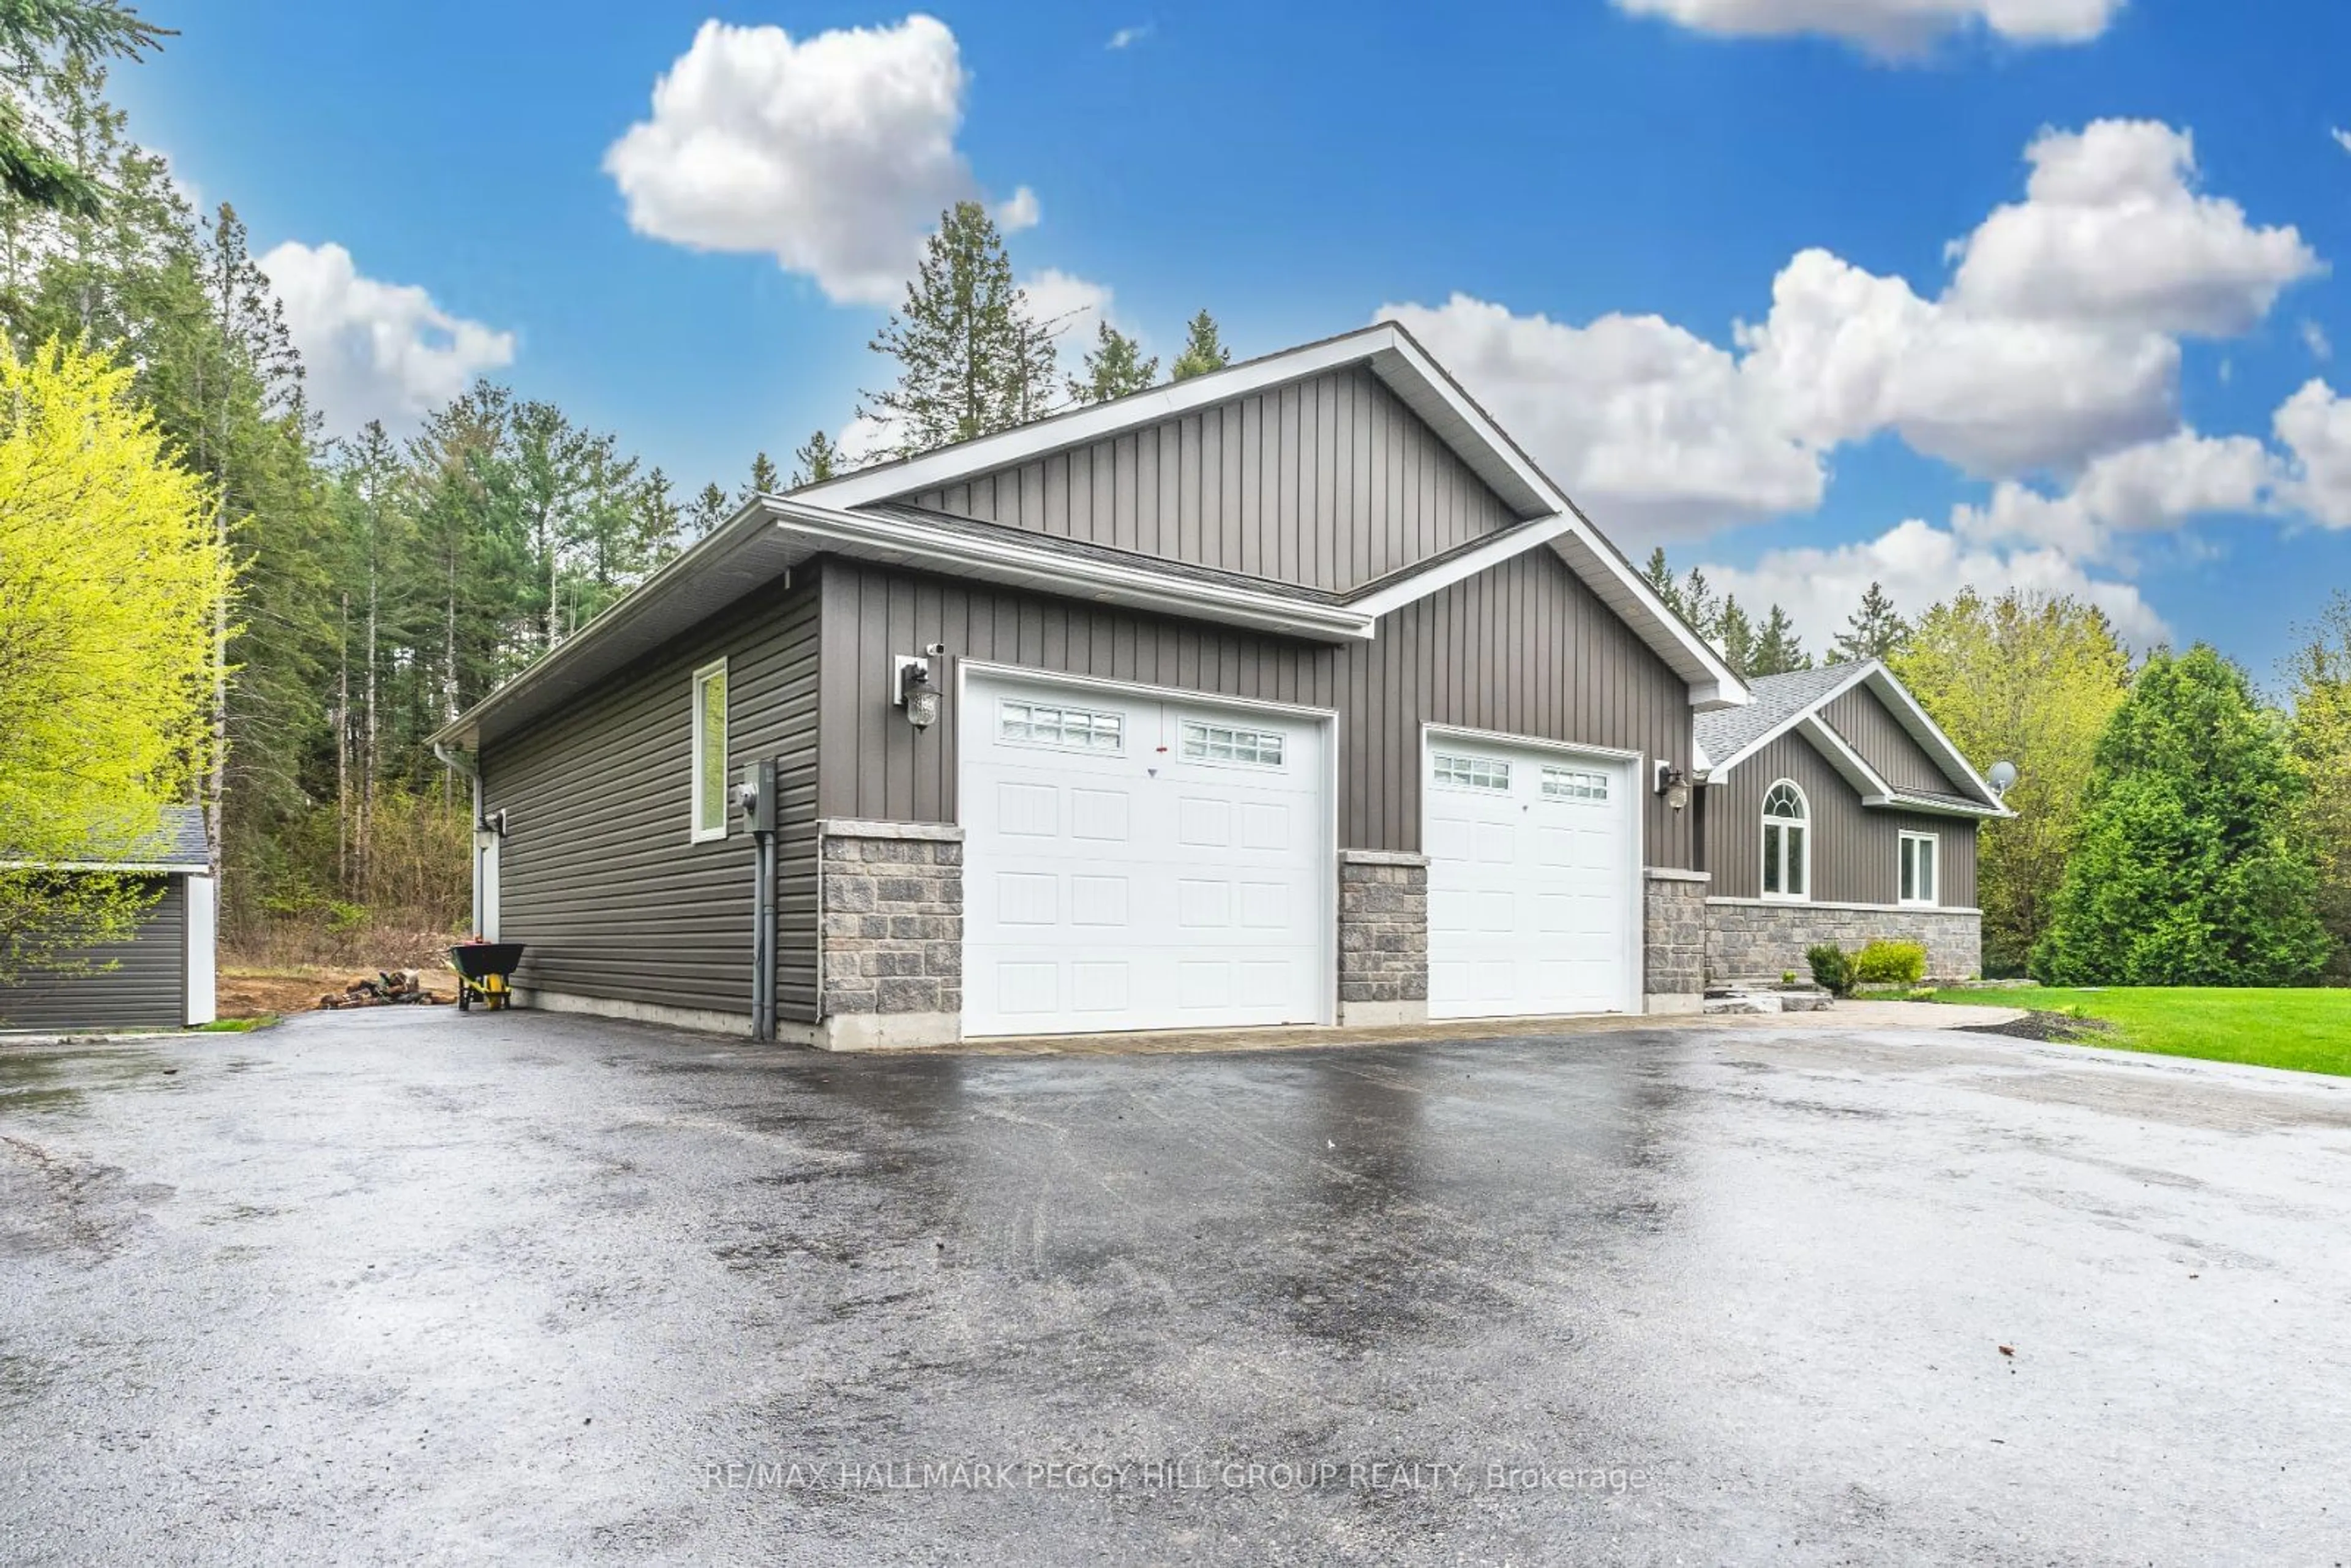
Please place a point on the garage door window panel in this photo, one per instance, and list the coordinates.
(1221, 744)
(1061, 728)
(1484, 773)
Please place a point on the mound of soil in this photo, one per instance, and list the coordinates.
(2053, 1029)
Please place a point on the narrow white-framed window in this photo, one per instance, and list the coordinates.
(1922, 855)
(1787, 843)
(1060, 726)
(710, 785)
(1471, 772)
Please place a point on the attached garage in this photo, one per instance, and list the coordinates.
(1534, 892)
(1137, 858)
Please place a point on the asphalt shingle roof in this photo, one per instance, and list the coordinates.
(1726, 732)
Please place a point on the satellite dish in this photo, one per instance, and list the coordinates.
(2002, 775)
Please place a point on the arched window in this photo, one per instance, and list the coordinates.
(1787, 843)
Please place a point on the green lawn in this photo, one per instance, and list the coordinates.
(2308, 1032)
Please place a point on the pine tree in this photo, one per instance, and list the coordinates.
(1698, 605)
(1872, 631)
(1735, 635)
(1204, 351)
(971, 359)
(1659, 576)
(39, 38)
(711, 508)
(1778, 650)
(2190, 871)
(817, 459)
(1114, 367)
(764, 480)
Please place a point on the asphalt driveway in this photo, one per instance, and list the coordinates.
(405, 1286)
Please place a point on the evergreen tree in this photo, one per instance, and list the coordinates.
(1204, 351)
(1698, 605)
(2188, 872)
(1778, 650)
(818, 458)
(1114, 367)
(1872, 631)
(1659, 576)
(971, 359)
(764, 480)
(1735, 635)
(711, 508)
(39, 39)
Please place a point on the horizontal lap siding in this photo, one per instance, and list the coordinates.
(1329, 482)
(1524, 648)
(597, 874)
(147, 987)
(1855, 849)
(1866, 726)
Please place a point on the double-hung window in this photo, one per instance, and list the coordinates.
(1787, 843)
(709, 784)
(1920, 852)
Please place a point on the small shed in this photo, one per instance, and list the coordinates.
(163, 978)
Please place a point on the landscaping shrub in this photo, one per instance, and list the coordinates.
(1891, 964)
(1834, 969)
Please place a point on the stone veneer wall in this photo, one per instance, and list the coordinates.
(891, 962)
(1748, 939)
(1383, 937)
(1673, 944)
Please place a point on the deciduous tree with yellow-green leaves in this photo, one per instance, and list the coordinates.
(111, 579)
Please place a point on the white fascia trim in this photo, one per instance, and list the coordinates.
(119, 868)
(1509, 544)
(1843, 757)
(1530, 743)
(989, 453)
(1860, 673)
(1896, 800)
(1926, 731)
(1051, 571)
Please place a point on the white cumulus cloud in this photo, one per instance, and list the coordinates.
(2315, 427)
(2159, 485)
(2056, 341)
(1654, 429)
(1890, 27)
(373, 350)
(1920, 564)
(835, 154)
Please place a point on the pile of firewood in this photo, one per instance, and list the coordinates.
(387, 987)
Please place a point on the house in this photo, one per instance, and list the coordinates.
(163, 978)
(1836, 811)
(1294, 692)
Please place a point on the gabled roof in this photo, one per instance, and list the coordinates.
(864, 514)
(178, 843)
(1794, 702)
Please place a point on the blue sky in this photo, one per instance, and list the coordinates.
(1575, 204)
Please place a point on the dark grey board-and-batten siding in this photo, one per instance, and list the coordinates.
(146, 988)
(1885, 745)
(1524, 648)
(598, 874)
(1329, 483)
(1855, 849)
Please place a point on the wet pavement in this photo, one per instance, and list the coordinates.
(407, 1286)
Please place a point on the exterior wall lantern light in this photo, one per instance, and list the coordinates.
(1674, 784)
(914, 690)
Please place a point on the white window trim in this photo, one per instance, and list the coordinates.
(1934, 894)
(696, 832)
(1763, 846)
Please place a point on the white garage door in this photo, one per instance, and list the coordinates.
(1140, 859)
(1531, 900)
